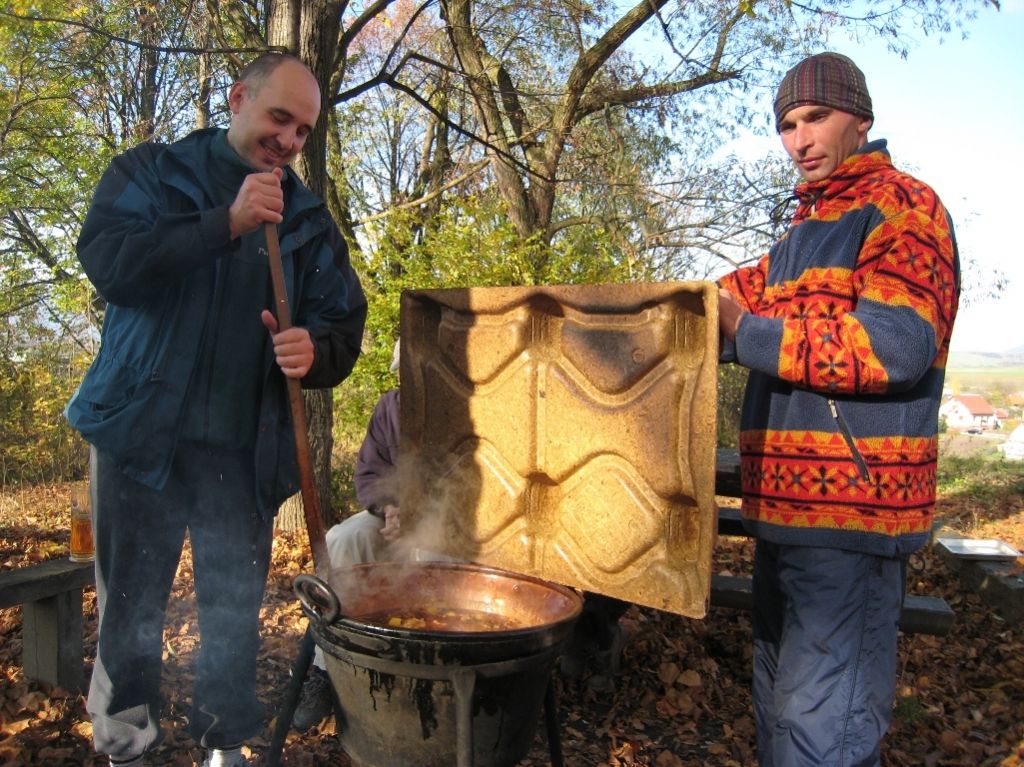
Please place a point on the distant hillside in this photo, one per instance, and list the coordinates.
(980, 360)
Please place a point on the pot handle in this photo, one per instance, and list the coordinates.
(319, 601)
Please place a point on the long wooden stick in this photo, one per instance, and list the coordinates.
(310, 499)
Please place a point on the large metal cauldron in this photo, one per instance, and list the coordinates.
(429, 698)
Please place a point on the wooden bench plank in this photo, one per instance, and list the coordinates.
(52, 648)
(920, 615)
(926, 615)
(46, 579)
(730, 523)
(51, 624)
(727, 472)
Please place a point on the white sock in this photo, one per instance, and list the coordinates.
(223, 757)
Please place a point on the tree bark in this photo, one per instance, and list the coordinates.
(313, 25)
(320, 422)
(525, 147)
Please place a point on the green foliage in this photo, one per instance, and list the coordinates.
(469, 244)
(38, 444)
(45, 155)
(987, 480)
(732, 382)
(908, 709)
(343, 491)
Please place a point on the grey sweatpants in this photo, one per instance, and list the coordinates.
(140, 533)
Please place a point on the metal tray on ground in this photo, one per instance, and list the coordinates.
(979, 548)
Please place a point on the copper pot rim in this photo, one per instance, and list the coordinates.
(566, 603)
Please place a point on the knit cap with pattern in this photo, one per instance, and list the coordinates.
(827, 79)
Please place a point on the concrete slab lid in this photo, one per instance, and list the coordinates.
(565, 432)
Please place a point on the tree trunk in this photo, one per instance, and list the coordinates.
(205, 82)
(320, 421)
(314, 25)
(149, 63)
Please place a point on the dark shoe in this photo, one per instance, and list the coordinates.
(573, 663)
(607, 660)
(315, 701)
(597, 652)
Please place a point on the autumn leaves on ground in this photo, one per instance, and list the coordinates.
(681, 697)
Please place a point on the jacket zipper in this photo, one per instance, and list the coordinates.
(844, 429)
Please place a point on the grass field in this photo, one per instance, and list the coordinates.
(983, 379)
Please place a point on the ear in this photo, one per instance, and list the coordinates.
(236, 95)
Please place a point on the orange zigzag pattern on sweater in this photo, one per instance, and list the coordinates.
(808, 479)
(812, 348)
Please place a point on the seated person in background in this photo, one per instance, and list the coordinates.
(366, 536)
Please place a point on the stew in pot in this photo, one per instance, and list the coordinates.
(441, 619)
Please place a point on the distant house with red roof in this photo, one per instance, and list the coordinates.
(969, 411)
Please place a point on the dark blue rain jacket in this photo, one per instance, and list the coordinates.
(149, 244)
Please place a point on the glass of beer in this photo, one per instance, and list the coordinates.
(83, 549)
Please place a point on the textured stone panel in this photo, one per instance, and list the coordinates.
(565, 432)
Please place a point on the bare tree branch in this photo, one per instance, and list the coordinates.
(135, 43)
(473, 169)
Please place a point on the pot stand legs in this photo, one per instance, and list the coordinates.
(291, 698)
(464, 682)
(551, 725)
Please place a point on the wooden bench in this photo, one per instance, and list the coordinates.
(50, 594)
(920, 615)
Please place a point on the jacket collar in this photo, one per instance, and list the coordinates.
(870, 158)
(183, 166)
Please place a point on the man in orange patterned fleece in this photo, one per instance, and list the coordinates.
(844, 326)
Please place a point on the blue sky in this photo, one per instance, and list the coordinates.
(953, 114)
